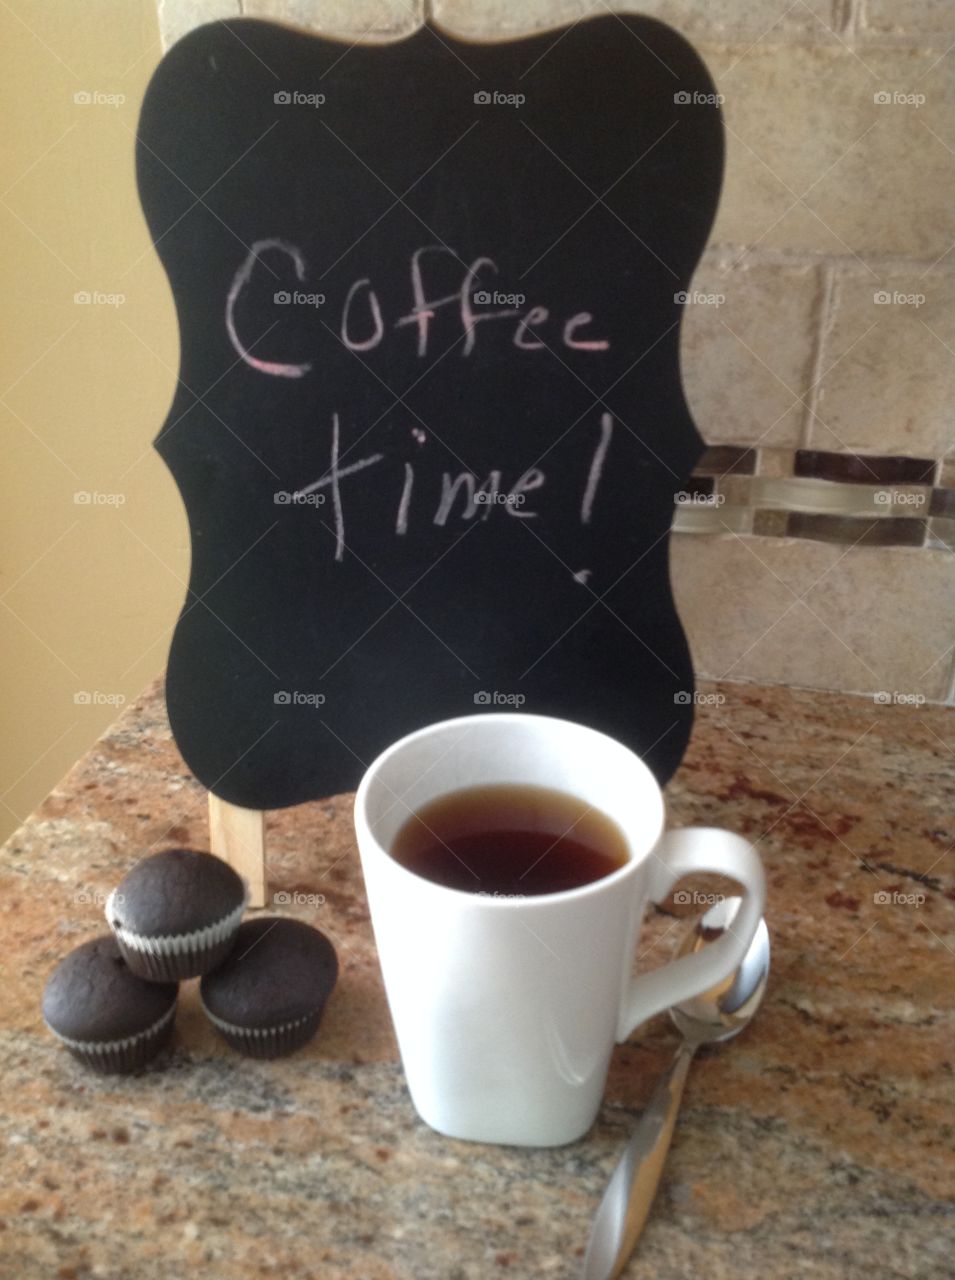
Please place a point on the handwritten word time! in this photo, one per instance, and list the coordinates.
(362, 325)
(475, 497)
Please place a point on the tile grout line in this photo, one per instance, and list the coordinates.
(772, 255)
(854, 11)
(823, 322)
(764, 681)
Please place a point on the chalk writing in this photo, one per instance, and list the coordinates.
(461, 494)
(242, 278)
(364, 326)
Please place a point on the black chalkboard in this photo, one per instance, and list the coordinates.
(429, 422)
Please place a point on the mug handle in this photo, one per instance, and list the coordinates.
(683, 853)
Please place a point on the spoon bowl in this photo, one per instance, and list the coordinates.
(724, 1010)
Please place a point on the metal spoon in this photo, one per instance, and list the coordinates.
(716, 1015)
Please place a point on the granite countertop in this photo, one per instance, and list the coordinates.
(818, 1144)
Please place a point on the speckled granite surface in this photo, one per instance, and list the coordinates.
(819, 1144)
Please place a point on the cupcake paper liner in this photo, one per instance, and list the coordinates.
(170, 957)
(267, 1042)
(126, 1054)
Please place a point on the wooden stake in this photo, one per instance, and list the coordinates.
(238, 837)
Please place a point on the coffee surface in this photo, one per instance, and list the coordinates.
(508, 840)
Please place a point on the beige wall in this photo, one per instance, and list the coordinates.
(87, 599)
(830, 196)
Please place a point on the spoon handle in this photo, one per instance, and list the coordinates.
(630, 1193)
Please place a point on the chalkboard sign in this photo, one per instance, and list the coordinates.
(429, 422)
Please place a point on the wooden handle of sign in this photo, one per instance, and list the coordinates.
(238, 837)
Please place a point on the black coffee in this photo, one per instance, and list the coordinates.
(510, 840)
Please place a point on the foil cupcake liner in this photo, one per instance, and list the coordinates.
(267, 1042)
(171, 957)
(126, 1054)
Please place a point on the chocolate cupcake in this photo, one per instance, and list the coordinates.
(176, 913)
(107, 1017)
(267, 998)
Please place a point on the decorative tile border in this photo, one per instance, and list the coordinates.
(892, 531)
(851, 498)
(857, 468)
(941, 536)
(943, 502)
(727, 459)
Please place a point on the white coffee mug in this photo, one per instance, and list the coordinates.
(507, 1009)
